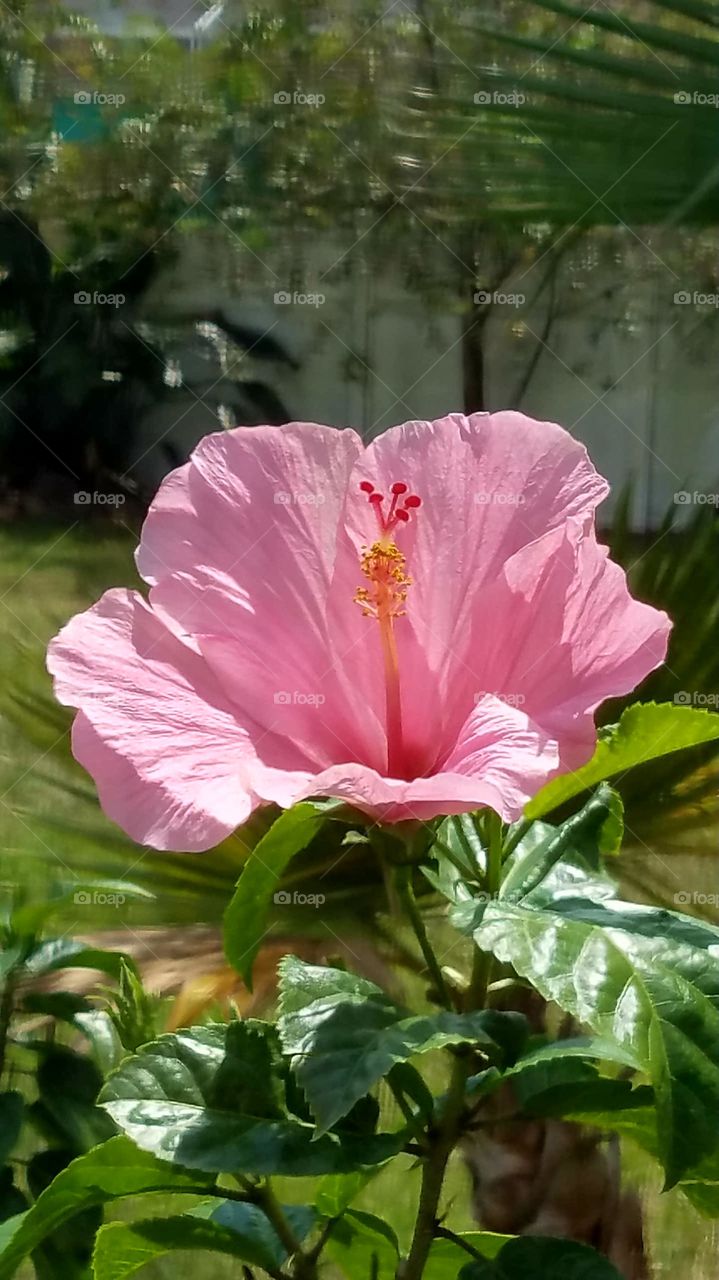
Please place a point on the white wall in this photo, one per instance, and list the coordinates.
(629, 371)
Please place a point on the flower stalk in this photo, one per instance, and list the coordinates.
(407, 900)
(442, 1140)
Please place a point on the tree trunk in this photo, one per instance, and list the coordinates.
(550, 1178)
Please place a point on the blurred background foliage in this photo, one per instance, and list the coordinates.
(419, 145)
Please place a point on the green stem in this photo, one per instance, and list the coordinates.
(406, 896)
(483, 961)
(494, 852)
(443, 1233)
(303, 1266)
(442, 1141)
(271, 1206)
(316, 1250)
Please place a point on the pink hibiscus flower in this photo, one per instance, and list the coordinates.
(420, 627)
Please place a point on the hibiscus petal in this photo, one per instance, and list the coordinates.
(559, 633)
(500, 759)
(489, 484)
(253, 502)
(252, 676)
(171, 764)
(244, 548)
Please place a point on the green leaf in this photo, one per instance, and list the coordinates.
(336, 1191)
(12, 1200)
(11, 1112)
(588, 1048)
(446, 878)
(657, 937)
(596, 1093)
(596, 829)
(65, 1111)
(69, 953)
(345, 1034)
(701, 1185)
(609, 980)
(542, 1259)
(644, 732)
(123, 1248)
(115, 1169)
(567, 880)
(560, 1080)
(98, 1027)
(184, 1096)
(245, 920)
(412, 1085)
(703, 1194)
(132, 1011)
(362, 1245)
(460, 837)
(67, 1251)
(64, 1005)
(251, 1222)
(447, 1257)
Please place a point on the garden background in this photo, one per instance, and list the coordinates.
(359, 214)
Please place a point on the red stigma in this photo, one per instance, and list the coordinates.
(397, 514)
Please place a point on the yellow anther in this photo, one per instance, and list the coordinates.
(383, 565)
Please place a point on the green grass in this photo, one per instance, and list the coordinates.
(48, 572)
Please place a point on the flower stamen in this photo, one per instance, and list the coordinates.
(397, 514)
(383, 565)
